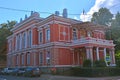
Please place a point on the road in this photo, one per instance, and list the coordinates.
(7, 77)
(51, 77)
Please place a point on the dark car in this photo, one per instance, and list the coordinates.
(30, 72)
(15, 71)
(21, 71)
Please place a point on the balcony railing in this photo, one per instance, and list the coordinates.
(90, 40)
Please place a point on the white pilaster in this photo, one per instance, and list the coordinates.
(105, 56)
(112, 56)
(78, 58)
(87, 53)
(73, 58)
(34, 59)
(97, 51)
(91, 54)
(20, 41)
(16, 44)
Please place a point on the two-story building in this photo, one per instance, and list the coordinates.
(57, 41)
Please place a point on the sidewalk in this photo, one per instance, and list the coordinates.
(55, 77)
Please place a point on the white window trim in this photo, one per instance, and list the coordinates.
(76, 33)
(49, 57)
(17, 60)
(28, 58)
(40, 58)
(22, 58)
(46, 35)
(39, 37)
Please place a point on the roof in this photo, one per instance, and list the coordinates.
(89, 26)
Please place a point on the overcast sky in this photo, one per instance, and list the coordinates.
(75, 8)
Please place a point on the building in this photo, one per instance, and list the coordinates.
(57, 41)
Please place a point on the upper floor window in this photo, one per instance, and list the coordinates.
(74, 34)
(89, 33)
(29, 38)
(48, 34)
(24, 39)
(40, 36)
(83, 33)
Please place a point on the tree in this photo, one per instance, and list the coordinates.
(115, 31)
(4, 33)
(103, 16)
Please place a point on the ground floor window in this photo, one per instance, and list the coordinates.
(22, 58)
(48, 57)
(41, 58)
(28, 58)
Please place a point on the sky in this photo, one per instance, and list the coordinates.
(75, 8)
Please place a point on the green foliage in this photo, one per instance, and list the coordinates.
(4, 33)
(117, 56)
(100, 63)
(87, 63)
(95, 72)
(103, 16)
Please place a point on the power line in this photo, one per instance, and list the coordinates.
(21, 10)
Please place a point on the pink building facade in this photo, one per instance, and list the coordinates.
(57, 41)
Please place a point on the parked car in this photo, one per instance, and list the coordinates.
(21, 71)
(7, 70)
(30, 72)
(14, 71)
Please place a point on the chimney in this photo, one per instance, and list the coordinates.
(25, 16)
(65, 15)
(57, 13)
(32, 12)
(20, 19)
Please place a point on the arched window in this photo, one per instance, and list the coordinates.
(74, 34)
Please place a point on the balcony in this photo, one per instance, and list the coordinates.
(90, 40)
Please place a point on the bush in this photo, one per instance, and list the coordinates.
(118, 63)
(87, 63)
(95, 72)
(100, 63)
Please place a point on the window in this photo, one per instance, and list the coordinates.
(24, 40)
(48, 35)
(28, 58)
(22, 59)
(48, 58)
(30, 38)
(89, 34)
(17, 60)
(74, 34)
(18, 41)
(41, 58)
(83, 33)
(40, 36)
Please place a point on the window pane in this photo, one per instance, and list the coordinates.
(41, 57)
(48, 34)
(40, 36)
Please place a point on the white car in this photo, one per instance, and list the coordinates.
(7, 70)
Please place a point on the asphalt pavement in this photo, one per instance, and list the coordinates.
(55, 77)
